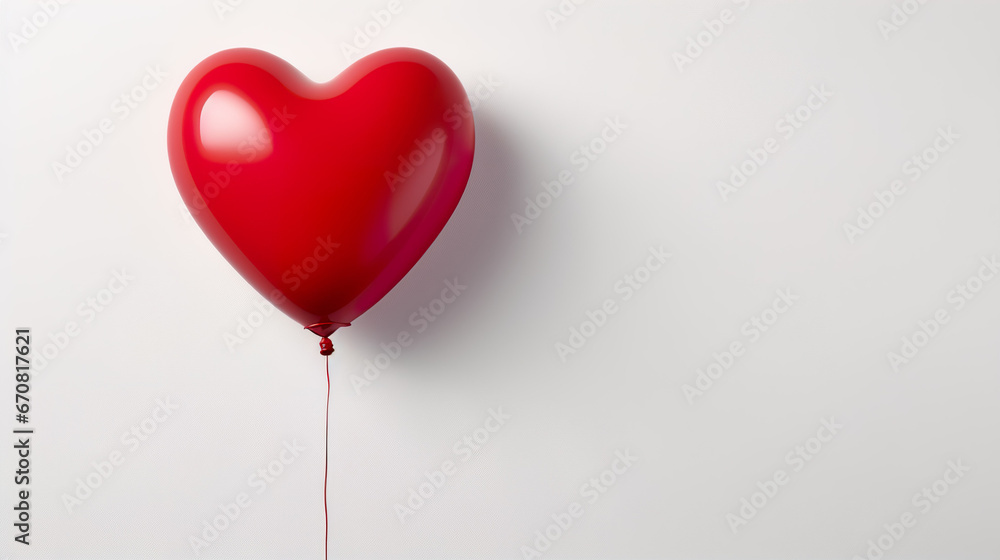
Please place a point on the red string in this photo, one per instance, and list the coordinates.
(326, 465)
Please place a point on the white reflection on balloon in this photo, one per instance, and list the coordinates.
(232, 129)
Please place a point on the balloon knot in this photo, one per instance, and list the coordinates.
(325, 346)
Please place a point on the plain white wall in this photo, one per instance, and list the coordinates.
(655, 186)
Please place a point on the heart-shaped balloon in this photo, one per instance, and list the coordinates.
(322, 196)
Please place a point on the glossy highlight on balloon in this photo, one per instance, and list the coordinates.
(322, 196)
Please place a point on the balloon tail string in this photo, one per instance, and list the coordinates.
(326, 464)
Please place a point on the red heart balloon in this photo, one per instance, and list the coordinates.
(322, 196)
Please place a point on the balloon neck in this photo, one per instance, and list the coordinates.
(325, 329)
(325, 346)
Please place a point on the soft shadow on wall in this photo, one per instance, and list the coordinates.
(474, 247)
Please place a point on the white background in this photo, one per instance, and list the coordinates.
(656, 185)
